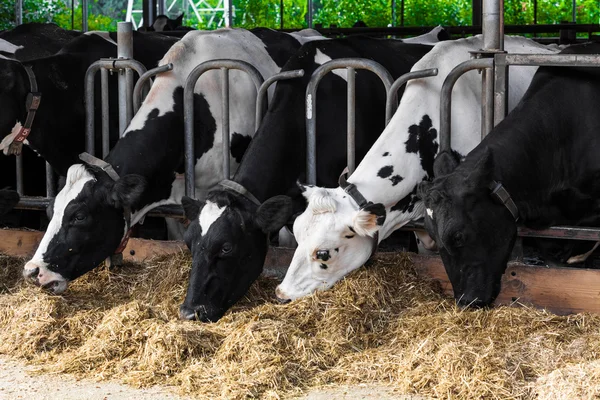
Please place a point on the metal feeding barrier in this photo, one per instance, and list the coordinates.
(351, 65)
(499, 64)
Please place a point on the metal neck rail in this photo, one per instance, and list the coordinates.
(138, 90)
(350, 64)
(105, 64)
(188, 113)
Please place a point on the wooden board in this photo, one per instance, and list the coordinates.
(560, 290)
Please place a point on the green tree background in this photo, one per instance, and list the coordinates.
(104, 14)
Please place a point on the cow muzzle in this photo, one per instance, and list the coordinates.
(281, 296)
(45, 278)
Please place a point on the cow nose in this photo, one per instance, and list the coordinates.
(281, 297)
(56, 287)
(470, 302)
(186, 313)
(323, 255)
(31, 270)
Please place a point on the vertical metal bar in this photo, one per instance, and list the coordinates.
(310, 13)
(90, 146)
(84, 15)
(228, 13)
(476, 12)
(19, 12)
(487, 102)
(19, 164)
(575, 11)
(128, 97)
(493, 25)
(50, 182)
(124, 50)
(281, 14)
(105, 112)
(402, 13)
(351, 119)
(161, 7)
(535, 10)
(393, 13)
(500, 85)
(225, 119)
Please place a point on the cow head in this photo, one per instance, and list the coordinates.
(228, 239)
(334, 238)
(474, 233)
(13, 92)
(87, 224)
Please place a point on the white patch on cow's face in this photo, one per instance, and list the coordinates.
(321, 58)
(209, 214)
(77, 178)
(324, 226)
(430, 213)
(8, 139)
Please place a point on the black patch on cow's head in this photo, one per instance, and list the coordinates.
(406, 204)
(385, 171)
(238, 146)
(396, 179)
(421, 141)
(13, 92)
(386, 154)
(229, 257)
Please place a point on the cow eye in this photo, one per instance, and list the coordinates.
(80, 217)
(226, 248)
(458, 239)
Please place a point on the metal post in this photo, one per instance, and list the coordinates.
(446, 96)
(138, 90)
(148, 12)
(225, 120)
(476, 12)
(311, 103)
(393, 13)
(281, 9)
(124, 50)
(105, 111)
(188, 111)
(227, 5)
(19, 12)
(575, 11)
(261, 103)
(402, 13)
(50, 182)
(310, 13)
(351, 119)
(493, 25)
(161, 7)
(84, 15)
(19, 164)
(487, 101)
(500, 84)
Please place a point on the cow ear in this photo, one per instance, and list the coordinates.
(444, 163)
(274, 213)
(128, 190)
(9, 74)
(482, 172)
(369, 219)
(191, 207)
(179, 20)
(423, 188)
(306, 190)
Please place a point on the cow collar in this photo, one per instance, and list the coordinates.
(239, 189)
(501, 195)
(32, 103)
(357, 196)
(106, 167)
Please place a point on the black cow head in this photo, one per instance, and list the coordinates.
(474, 233)
(162, 23)
(228, 239)
(13, 93)
(87, 224)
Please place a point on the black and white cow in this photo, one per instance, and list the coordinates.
(335, 236)
(91, 213)
(57, 133)
(544, 153)
(228, 233)
(34, 40)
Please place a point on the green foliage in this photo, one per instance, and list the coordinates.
(96, 22)
(345, 13)
(436, 12)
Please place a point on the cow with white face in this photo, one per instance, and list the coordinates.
(95, 211)
(335, 236)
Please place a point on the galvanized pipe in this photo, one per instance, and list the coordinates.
(124, 50)
(391, 104)
(225, 121)
(84, 15)
(261, 97)
(311, 103)
(553, 60)
(493, 25)
(487, 101)
(138, 95)
(19, 12)
(89, 93)
(50, 181)
(105, 112)
(188, 110)
(351, 119)
(500, 99)
(19, 166)
(446, 96)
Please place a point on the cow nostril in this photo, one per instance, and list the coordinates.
(32, 273)
(281, 297)
(187, 314)
(323, 255)
(283, 301)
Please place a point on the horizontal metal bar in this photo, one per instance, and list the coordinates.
(558, 60)
(391, 104)
(262, 92)
(137, 90)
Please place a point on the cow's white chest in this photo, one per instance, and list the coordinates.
(209, 214)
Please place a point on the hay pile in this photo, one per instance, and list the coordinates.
(381, 325)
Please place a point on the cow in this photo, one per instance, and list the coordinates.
(228, 233)
(34, 40)
(162, 23)
(93, 213)
(542, 158)
(335, 235)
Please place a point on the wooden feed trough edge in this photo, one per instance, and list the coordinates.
(560, 290)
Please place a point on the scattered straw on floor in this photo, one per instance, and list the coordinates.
(381, 325)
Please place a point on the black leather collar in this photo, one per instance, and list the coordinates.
(501, 195)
